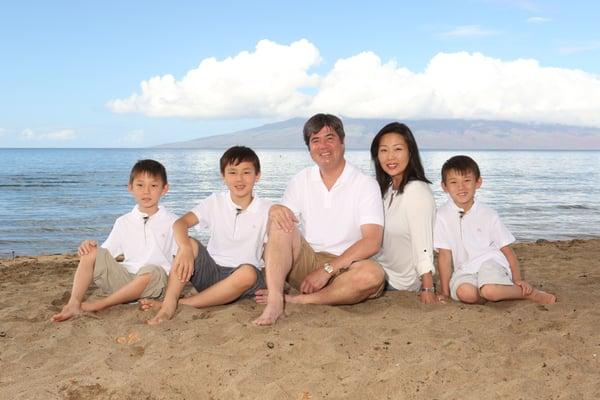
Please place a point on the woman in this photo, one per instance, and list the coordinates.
(407, 251)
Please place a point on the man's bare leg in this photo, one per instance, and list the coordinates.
(81, 282)
(361, 281)
(280, 252)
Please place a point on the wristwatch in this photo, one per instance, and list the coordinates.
(328, 268)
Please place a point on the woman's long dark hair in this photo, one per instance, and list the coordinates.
(414, 170)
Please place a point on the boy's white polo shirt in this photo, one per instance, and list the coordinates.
(236, 236)
(330, 220)
(474, 238)
(143, 240)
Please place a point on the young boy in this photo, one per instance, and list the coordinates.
(471, 236)
(143, 236)
(226, 269)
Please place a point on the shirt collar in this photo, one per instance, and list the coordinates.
(234, 207)
(459, 210)
(141, 215)
(315, 174)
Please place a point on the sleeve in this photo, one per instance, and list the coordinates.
(420, 212)
(370, 205)
(500, 233)
(113, 241)
(292, 197)
(440, 232)
(202, 211)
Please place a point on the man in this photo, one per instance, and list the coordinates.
(321, 237)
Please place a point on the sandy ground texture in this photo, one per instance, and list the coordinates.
(389, 348)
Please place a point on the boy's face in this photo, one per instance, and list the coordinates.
(461, 188)
(147, 191)
(240, 179)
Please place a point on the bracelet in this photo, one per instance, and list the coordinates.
(428, 289)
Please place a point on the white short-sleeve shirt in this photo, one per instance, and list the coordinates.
(473, 237)
(330, 220)
(236, 236)
(143, 240)
(407, 250)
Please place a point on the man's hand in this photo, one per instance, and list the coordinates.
(526, 288)
(282, 217)
(183, 264)
(86, 246)
(315, 281)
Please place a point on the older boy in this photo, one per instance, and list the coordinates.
(227, 269)
(471, 236)
(143, 236)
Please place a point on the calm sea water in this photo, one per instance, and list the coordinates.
(51, 199)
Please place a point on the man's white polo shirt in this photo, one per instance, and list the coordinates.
(236, 236)
(330, 220)
(473, 237)
(143, 240)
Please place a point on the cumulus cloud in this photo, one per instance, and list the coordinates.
(133, 137)
(453, 85)
(267, 82)
(468, 31)
(59, 136)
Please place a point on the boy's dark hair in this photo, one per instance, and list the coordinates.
(150, 167)
(237, 154)
(414, 170)
(318, 122)
(462, 164)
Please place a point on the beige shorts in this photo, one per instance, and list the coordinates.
(309, 260)
(110, 276)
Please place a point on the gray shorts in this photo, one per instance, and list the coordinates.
(490, 273)
(207, 272)
(110, 275)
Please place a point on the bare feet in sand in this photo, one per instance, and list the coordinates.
(68, 311)
(165, 313)
(272, 312)
(147, 304)
(541, 297)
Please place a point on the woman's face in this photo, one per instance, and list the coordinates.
(393, 156)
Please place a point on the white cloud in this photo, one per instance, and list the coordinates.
(61, 135)
(538, 20)
(133, 137)
(267, 82)
(468, 31)
(580, 48)
(453, 85)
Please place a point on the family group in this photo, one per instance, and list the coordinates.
(337, 237)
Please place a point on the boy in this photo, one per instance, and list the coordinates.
(226, 269)
(143, 236)
(471, 236)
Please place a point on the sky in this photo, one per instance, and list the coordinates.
(142, 73)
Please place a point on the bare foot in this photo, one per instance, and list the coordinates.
(541, 297)
(165, 313)
(68, 311)
(146, 304)
(271, 313)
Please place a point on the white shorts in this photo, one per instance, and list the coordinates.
(490, 273)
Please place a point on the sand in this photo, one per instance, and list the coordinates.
(389, 348)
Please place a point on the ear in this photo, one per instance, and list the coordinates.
(165, 189)
(444, 188)
(479, 183)
(257, 178)
(129, 187)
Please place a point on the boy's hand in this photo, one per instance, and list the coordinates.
(86, 246)
(283, 218)
(183, 265)
(526, 288)
(443, 298)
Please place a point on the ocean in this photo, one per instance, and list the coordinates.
(52, 199)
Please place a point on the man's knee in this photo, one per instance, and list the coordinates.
(369, 275)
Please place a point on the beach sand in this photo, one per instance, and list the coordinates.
(389, 348)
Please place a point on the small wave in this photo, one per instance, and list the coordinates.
(574, 207)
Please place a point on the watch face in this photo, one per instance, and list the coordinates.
(328, 268)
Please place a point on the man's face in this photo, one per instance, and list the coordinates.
(326, 148)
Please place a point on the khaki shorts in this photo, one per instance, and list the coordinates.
(490, 273)
(110, 276)
(309, 260)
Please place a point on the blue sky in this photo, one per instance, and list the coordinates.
(140, 73)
